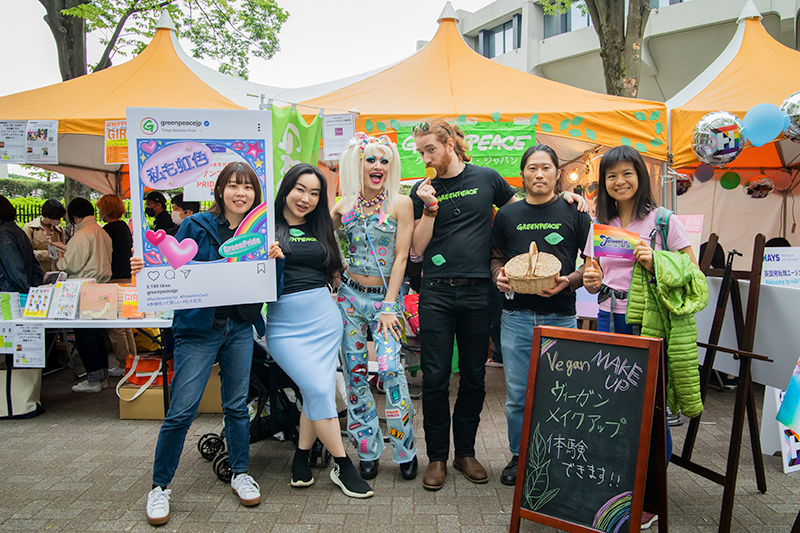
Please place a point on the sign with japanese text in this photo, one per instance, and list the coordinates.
(497, 145)
(586, 432)
(12, 141)
(116, 142)
(337, 130)
(28, 345)
(781, 267)
(176, 148)
(30, 142)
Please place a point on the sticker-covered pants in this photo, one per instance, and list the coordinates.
(359, 312)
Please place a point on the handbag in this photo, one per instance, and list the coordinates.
(145, 371)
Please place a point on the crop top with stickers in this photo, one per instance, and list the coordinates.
(381, 229)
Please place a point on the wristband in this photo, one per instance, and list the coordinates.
(434, 204)
(430, 212)
(563, 194)
(388, 308)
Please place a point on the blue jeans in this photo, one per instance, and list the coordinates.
(360, 313)
(517, 335)
(620, 326)
(230, 343)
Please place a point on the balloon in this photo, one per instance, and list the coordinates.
(782, 180)
(791, 107)
(717, 138)
(759, 187)
(730, 180)
(763, 123)
(683, 183)
(703, 173)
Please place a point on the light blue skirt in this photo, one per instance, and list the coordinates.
(304, 332)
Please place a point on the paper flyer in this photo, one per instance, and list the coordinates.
(337, 130)
(611, 241)
(12, 141)
(6, 337)
(694, 228)
(41, 142)
(116, 142)
(172, 148)
(29, 345)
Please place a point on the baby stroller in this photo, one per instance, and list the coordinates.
(274, 403)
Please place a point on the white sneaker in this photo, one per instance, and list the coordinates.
(116, 372)
(246, 488)
(90, 387)
(158, 507)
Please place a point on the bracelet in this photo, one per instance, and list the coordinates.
(388, 308)
(563, 194)
(434, 204)
(430, 212)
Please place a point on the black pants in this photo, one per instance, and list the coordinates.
(91, 344)
(445, 312)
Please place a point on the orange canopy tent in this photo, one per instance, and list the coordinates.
(753, 69)
(447, 79)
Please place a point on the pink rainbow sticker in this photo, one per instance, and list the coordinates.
(611, 241)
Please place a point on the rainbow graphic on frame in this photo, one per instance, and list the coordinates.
(254, 223)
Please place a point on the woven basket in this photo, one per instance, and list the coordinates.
(533, 272)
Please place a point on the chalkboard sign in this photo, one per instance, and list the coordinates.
(586, 432)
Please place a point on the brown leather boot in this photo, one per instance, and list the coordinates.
(471, 468)
(434, 475)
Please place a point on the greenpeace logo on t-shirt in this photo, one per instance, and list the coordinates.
(458, 194)
(539, 226)
(296, 235)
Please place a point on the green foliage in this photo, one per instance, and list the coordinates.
(19, 186)
(227, 31)
(553, 7)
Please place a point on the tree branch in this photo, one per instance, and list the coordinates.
(105, 59)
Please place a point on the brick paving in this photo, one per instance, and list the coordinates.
(79, 468)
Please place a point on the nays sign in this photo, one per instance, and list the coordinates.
(495, 145)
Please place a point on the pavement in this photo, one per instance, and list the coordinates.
(78, 467)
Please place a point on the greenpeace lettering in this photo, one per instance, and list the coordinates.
(539, 226)
(622, 244)
(458, 194)
(487, 142)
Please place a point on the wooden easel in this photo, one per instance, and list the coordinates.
(745, 399)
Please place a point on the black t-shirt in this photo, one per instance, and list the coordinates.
(559, 229)
(121, 244)
(163, 221)
(303, 268)
(239, 312)
(459, 247)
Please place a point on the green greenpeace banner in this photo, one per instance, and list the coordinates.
(293, 141)
(497, 145)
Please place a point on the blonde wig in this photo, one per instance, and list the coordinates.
(351, 168)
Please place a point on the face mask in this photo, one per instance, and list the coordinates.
(176, 217)
(149, 211)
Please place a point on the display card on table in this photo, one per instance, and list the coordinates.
(172, 149)
(29, 345)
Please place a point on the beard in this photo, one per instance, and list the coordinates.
(442, 166)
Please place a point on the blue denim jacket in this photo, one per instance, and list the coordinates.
(204, 229)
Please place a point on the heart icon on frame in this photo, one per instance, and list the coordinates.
(155, 237)
(177, 253)
(149, 147)
(153, 274)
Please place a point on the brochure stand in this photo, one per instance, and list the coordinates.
(745, 400)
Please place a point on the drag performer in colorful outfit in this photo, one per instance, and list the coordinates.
(378, 222)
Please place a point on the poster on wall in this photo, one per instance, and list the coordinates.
(337, 130)
(173, 148)
(694, 228)
(12, 141)
(116, 142)
(41, 142)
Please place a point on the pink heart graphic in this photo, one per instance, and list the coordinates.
(156, 237)
(149, 147)
(177, 253)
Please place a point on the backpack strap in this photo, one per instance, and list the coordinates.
(662, 227)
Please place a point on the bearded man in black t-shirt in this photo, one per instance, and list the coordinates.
(558, 228)
(453, 221)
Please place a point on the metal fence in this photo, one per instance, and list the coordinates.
(27, 212)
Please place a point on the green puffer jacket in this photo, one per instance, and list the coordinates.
(666, 309)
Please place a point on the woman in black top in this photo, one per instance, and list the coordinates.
(304, 327)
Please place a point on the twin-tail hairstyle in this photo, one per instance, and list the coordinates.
(351, 168)
(643, 201)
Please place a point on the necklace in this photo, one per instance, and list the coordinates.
(456, 210)
(363, 202)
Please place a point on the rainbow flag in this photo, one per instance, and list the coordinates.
(611, 241)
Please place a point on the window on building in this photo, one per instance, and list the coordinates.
(557, 24)
(501, 39)
(655, 4)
